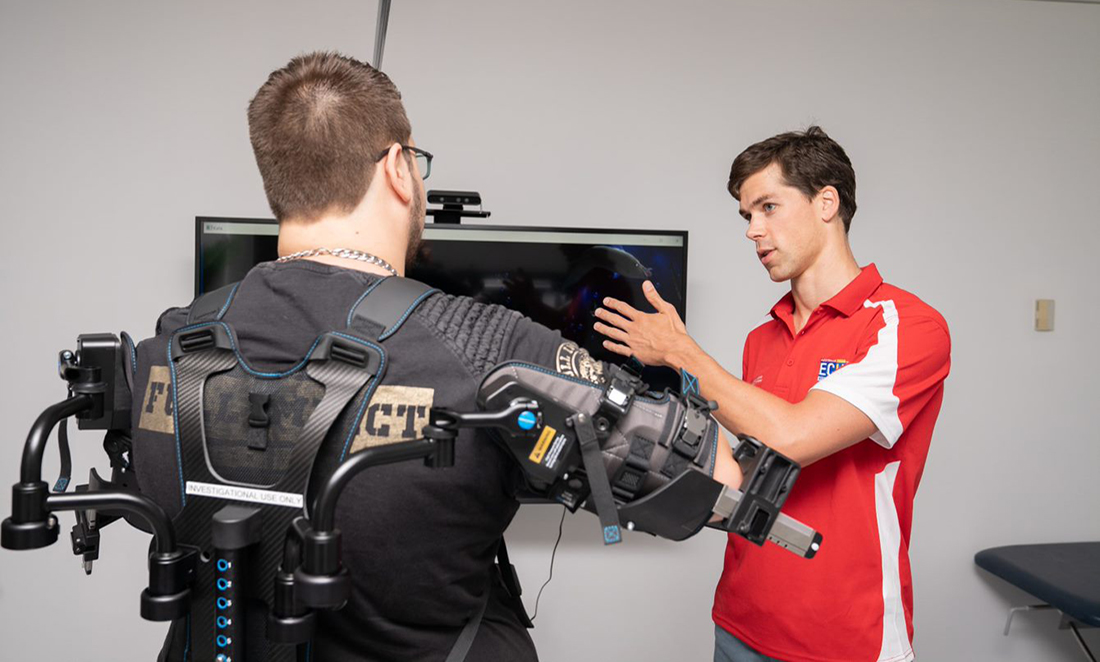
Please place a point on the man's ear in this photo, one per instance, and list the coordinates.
(398, 175)
(828, 201)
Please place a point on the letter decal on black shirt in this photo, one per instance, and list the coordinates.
(395, 413)
(156, 411)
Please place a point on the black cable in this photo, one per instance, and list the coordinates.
(66, 472)
(552, 555)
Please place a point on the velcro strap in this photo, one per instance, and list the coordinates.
(631, 475)
(66, 473)
(597, 479)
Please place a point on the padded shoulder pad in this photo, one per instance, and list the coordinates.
(384, 307)
(477, 332)
(212, 305)
(171, 320)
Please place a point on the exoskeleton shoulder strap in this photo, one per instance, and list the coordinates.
(380, 312)
(386, 305)
(212, 305)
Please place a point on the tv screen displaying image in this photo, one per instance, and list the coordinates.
(555, 276)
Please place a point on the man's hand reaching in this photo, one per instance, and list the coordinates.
(654, 338)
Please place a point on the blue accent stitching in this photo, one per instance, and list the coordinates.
(713, 451)
(363, 296)
(176, 431)
(243, 364)
(583, 382)
(397, 325)
(229, 300)
(241, 359)
(133, 352)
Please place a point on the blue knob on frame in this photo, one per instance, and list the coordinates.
(527, 420)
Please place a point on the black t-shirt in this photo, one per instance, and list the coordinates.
(420, 543)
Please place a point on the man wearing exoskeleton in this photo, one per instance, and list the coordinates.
(262, 402)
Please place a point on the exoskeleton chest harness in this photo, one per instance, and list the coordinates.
(242, 546)
(241, 562)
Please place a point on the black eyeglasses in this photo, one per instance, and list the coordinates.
(423, 159)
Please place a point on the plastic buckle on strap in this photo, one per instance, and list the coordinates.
(348, 353)
(691, 434)
(257, 416)
(616, 398)
(196, 340)
(629, 477)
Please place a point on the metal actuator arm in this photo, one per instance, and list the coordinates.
(91, 374)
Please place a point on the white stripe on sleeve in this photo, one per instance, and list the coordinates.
(869, 384)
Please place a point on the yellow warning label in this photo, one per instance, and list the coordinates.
(543, 443)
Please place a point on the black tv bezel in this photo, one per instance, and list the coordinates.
(199, 220)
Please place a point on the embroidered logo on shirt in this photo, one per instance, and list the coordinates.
(575, 361)
(829, 366)
(758, 380)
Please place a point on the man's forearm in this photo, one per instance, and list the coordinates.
(742, 408)
(819, 425)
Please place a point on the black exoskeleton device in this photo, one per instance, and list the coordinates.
(237, 560)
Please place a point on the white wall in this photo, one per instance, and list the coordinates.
(972, 126)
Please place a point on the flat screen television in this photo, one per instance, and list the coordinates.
(555, 276)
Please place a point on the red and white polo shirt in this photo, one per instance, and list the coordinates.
(887, 353)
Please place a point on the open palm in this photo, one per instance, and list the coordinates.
(650, 337)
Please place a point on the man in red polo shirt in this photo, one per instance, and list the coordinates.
(846, 377)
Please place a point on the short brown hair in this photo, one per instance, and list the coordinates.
(810, 160)
(317, 127)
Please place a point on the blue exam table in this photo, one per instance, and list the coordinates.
(1065, 576)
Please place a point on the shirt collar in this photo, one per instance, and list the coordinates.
(851, 298)
(846, 302)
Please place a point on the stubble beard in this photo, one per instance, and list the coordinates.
(416, 227)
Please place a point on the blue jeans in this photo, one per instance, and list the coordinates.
(728, 648)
